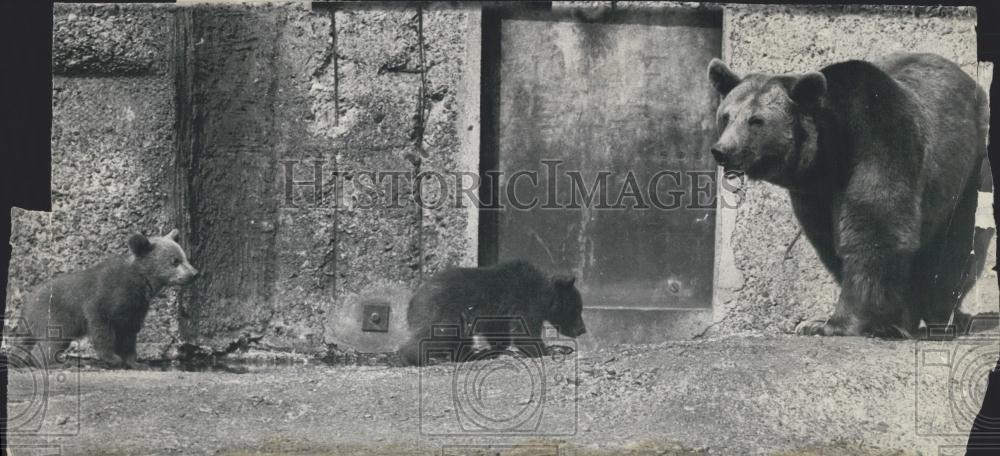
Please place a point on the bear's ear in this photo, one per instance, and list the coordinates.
(564, 281)
(722, 77)
(809, 88)
(174, 235)
(139, 245)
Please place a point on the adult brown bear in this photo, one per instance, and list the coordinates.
(881, 161)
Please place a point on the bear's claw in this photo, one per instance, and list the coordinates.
(817, 327)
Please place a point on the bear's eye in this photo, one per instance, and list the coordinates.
(756, 121)
(177, 261)
(724, 120)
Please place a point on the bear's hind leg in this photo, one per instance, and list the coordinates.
(941, 274)
(936, 280)
(419, 349)
(125, 348)
(102, 336)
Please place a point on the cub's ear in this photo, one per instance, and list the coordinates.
(722, 77)
(139, 245)
(174, 235)
(564, 281)
(809, 88)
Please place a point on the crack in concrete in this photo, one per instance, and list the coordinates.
(336, 72)
(399, 67)
(421, 119)
(331, 254)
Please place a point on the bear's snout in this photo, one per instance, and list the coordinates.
(186, 274)
(575, 330)
(718, 155)
(729, 158)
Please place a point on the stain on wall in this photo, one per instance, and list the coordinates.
(231, 170)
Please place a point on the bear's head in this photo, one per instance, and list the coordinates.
(766, 122)
(160, 259)
(566, 309)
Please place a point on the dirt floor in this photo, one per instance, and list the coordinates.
(734, 395)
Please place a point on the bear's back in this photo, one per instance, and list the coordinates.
(948, 97)
(943, 89)
(500, 289)
(61, 300)
(925, 73)
(955, 114)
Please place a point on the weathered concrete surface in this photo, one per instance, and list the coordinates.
(112, 154)
(305, 242)
(738, 395)
(450, 136)
(769, 290)
(109, 41)
(379, 77)
(268, 240)
(231, 167)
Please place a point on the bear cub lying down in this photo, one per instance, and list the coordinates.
(503, 305)
(108, 301)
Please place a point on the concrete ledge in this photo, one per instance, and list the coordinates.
(736, 395)
(915, 11)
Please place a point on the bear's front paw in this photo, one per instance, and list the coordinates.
(818, 327)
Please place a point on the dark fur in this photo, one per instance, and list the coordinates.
(515, 290)
(108, 301)
(883, 177)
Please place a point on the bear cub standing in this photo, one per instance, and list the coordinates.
(505, 304)
(108, 301)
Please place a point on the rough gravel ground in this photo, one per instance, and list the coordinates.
(734, 395)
